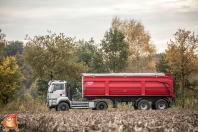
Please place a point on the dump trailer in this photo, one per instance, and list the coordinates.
(142, 90)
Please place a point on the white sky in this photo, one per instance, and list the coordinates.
(91, 18)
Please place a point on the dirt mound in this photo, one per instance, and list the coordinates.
(109, 121)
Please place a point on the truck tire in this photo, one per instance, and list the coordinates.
(101, 106)
(143, 105)
(161, 104)
(63, 107)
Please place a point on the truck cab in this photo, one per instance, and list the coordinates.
(59, 97)
(56, 93)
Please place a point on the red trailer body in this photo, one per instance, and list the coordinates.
(127, 85)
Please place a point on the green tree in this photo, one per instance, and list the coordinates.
(53, 54)
(89, 53)
(85, 52)
(162, 65)
(41, 86)
(116, 51)
(11, 78)
(142, 51)
(13, 48)
(2, 45)
(10, 75)
(182, 57)
(98, 62)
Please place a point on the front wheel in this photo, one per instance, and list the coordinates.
(101, 106)
(144, 105)
(63, 107)
(161, 104)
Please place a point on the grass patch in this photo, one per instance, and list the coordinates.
(26, 103)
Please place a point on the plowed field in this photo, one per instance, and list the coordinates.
(109, 121)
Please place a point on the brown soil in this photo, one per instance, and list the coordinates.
(109, 121)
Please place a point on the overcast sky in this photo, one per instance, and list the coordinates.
(91, 18)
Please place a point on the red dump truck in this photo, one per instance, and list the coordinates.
(143, 90)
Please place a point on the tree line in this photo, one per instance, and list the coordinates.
(126, 47)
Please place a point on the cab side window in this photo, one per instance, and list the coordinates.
(58, 87)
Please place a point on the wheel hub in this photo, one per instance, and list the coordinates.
(162, 105)
(101, 107)
(63, 108)
(144, 106)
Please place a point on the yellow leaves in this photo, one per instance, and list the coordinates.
(142, 51)
(9, 67)
(10, 77)
(182, 58)
(151, 64)
(181, 53)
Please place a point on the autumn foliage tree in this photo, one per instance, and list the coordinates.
(53, 54)
(142, 51)
(182, 57)
(11, 78)
(10, 75)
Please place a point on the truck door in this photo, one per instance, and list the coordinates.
(58, 90)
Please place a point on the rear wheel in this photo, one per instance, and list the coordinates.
(143, 105)
(63, 107)
(161, 104)
(101, 106)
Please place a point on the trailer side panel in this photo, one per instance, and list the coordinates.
(96, 85)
